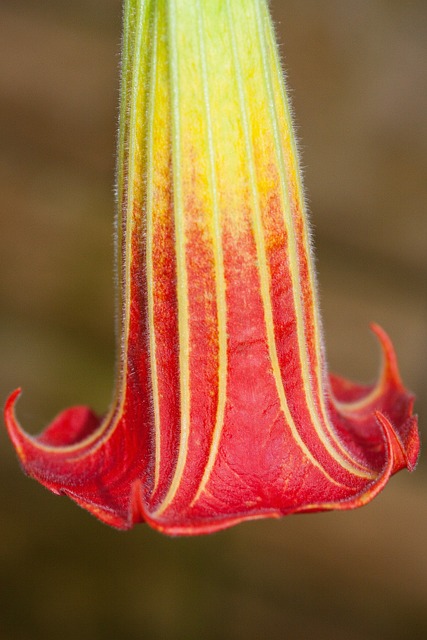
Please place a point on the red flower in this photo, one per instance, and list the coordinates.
(224, 410)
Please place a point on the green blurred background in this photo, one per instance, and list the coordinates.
(358, 75)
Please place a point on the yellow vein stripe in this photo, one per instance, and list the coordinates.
(127, 54)
(181, 267)
(121, 173)
(221, 302)
(136, 28)
(343, 460)
(262, 260)
(140, 29)
(122, 182)
(133, 37)
(149, 254)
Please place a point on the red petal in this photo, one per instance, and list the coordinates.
(224, 411)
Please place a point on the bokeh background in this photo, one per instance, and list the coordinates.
(358, 75)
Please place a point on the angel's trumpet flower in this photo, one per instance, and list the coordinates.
(223, 410)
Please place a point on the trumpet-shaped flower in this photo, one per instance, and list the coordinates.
(223, 410)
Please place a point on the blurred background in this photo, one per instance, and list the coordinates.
(359, 88)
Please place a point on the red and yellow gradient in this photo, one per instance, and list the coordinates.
(224, 410)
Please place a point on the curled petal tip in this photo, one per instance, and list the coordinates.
(9, 409)
(390, 366)
(16, 434)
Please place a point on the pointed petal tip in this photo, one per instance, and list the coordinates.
(9, 407)
(16, 433)
(390, 370)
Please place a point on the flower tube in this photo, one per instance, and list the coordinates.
(224, 410)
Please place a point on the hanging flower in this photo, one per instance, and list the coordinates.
(223, 410)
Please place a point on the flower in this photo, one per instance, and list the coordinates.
(223, 410)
